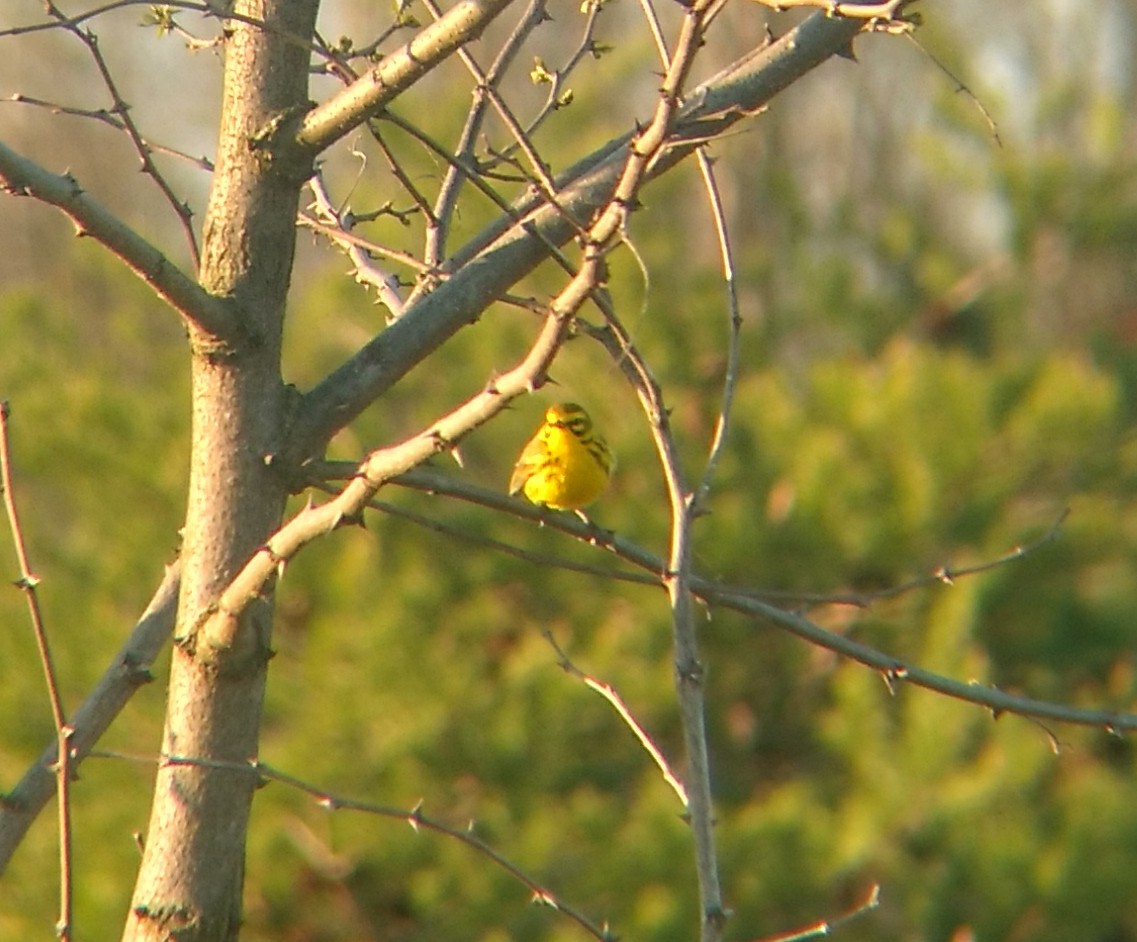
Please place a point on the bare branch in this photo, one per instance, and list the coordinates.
(456, 174)
(22, 177)
(339, 230)
(376, 89)
(609, 693)
(332, 802)
(886, 12)
(129, 670)
(827, 927)
(748, 601)
(121, 110)
(106, 117)
(734, 319)
(28, 584)
(512, 247)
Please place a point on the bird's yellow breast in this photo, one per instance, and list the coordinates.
(566, 465)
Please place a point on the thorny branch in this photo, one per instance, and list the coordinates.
(609, 693)
(415, 817)
(21, 177)
(28, 583)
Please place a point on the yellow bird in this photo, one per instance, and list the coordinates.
(566, 465)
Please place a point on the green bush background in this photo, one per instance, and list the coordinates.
(880, 432)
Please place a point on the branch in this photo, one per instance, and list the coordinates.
(447, 200)
(363, 99)
(415, 817)
(746, 601)
(28, 584)
(827, 927)
(513, 246)
(22, 177)
(734, 330)
(886, 12)
(129, 670)
(338, 229)
(609, 693)
(221, 621)
(111, 119)
(122, 110)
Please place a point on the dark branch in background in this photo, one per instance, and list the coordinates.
(507, 251)
(111, 119)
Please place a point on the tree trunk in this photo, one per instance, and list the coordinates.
(190, 881)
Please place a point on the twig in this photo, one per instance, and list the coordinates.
(121, 110)
(129, 670)
(587, 46)
(960, 86)
(827, 927)
(28, 583)
(886, 12)
(399, 174)
(22, 177)
(512, 213)
(415, 817)
(337, 233)
(440, 484)
(106, 117)
(539, 168)
(652, 18)
(458, 167)
(945, 574)
(734, 325)
(338, 228)
(608, 692)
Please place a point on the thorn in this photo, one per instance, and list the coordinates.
(893, 676)
(544, 898)
(415, 816)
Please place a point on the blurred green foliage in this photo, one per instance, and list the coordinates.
(885, 424)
